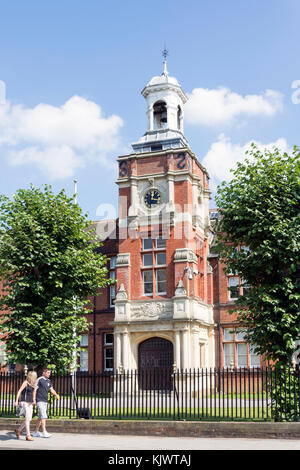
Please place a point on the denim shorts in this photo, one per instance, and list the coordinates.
(42, 408)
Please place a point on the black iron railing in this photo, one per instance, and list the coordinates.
(201, 394)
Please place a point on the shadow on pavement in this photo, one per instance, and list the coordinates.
(8, 436)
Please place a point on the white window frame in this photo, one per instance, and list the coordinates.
(228, 356)
(239, 334)
(158, 248)
(235, 337)
(112, 262)
(244, 285)
(148, 271)
(112, 290)
(228, 334)
(84, 355)
(107, 346)
(156, 257)
(229, 286)
(252, 354)
(240, 355)
(143, 244)
(106, 343)
(148, 265)
(84, 359)
(84, 341)
(156, 282)
(105, 358)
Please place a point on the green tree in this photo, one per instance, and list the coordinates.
(260, 212)
(50, 264)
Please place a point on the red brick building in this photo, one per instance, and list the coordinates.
(231, 348)
(170, 305)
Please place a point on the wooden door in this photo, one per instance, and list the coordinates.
(155, 364)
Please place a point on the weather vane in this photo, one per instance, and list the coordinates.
(165, 53)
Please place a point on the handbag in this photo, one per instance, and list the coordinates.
(20, 411)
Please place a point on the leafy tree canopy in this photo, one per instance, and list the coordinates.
(260, 212)
(49, 268)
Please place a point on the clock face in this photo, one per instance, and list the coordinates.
(152, 198)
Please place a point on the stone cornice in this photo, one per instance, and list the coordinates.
(185, 255)
(164, 152)
(175, 175)
(164, 86)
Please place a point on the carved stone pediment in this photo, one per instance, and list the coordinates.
(151, 310)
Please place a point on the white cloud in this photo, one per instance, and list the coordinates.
(55, 162)
(222, 106)
(223, 156)
(58, 140)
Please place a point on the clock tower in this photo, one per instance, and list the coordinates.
(163, 307)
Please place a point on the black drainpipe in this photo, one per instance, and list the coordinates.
(94, 335)
(219, 320)
(94, 343)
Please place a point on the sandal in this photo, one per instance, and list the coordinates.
(29, 438)
(17, 433)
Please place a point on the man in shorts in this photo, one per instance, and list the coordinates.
(44, 385)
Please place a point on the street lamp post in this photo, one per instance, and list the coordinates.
(74, 361)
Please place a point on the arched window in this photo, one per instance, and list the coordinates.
(160, 119)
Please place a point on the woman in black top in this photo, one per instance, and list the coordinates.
(27, 393)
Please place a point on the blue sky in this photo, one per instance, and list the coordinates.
(73, 73)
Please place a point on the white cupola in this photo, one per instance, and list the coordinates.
(165, 102)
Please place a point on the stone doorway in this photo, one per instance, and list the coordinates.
(155, 361)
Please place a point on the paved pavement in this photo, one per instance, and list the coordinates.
(69, 441)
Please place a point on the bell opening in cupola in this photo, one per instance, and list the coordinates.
(160, 115)
(164, 117)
